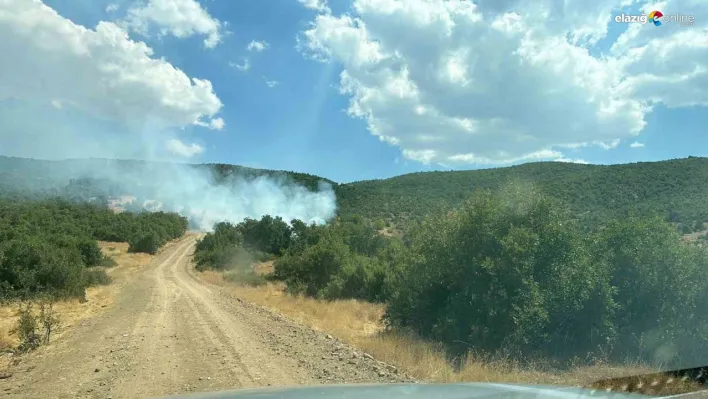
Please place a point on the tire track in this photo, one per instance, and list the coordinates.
(151, 345)
(223, 332)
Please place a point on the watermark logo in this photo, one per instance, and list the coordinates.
(657, 18)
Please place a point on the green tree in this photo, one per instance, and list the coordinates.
(311, 271)
(504, 271)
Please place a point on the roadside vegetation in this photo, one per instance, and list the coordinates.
(510, 273)
(48, 249)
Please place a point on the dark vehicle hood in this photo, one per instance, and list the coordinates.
(412, 391)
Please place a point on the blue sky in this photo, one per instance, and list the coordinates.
(541, 109)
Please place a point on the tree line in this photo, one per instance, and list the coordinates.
(50, 247)
(508, 270)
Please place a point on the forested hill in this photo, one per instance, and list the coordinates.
(674, 189)
(87, 178)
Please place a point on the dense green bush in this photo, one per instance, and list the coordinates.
(148, 242)
(223, 258)
(29, 266)
(90, 252)
(510, 271)
(347, 259)
(311, 271)
(497, 272)
(269, 235)
(658, 286)
(220, 249)
(46, 246)
(107, 261)
(261, 239)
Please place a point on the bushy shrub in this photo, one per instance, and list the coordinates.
(511, 271)
(148, 243)
(497, 272)
(27, 329)
(311, 271)
(270, 235)
(658, 287)
(30, 266)
(252, 240)
(331, 269)
(90, 252)
(46, 245)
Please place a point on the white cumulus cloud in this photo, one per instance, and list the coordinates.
(494, 82)
(213, 124)
(245, 65)
(667, 64)
(636, 144)
(217, 124)
(256, 45)
(317, 5)
(180, 18)
(569, 160)
(100, 71)
(270, 83)
(177, 147)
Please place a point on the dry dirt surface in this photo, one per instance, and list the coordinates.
(169, 333)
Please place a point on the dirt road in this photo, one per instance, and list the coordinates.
(170, 333)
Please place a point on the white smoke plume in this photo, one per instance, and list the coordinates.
(71, 91)
(160, 182)
(194, 192)
(191, 191)
(262, 196)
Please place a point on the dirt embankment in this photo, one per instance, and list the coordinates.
(165, 332)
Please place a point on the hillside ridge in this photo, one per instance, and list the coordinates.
(674, 189)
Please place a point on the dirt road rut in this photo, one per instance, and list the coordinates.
(171, 333)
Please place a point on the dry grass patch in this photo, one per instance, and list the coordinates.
(72, 311)
(264, 268)
(350, 320)
(359, 324)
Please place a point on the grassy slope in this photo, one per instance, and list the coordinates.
(596, 192)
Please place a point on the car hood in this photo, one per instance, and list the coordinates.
(412, 391)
